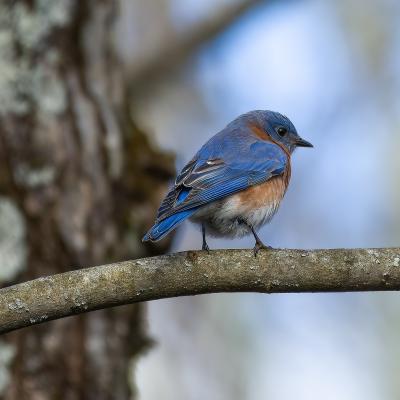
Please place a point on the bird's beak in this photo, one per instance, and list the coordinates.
(303, 143)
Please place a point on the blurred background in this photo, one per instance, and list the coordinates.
(169, 74)
(333, 67)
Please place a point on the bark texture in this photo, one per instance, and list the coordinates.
(77, 181)
(197, 272)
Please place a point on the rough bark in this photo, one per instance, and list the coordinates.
(197, 272)
(77, 185)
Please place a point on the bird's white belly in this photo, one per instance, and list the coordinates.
(226, 217)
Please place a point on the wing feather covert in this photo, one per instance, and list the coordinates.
(207, 178)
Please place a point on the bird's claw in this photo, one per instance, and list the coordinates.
(205, 248)
(258, 246)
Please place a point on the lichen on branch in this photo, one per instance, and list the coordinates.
(197, 272)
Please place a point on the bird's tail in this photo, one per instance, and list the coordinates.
(162, 228)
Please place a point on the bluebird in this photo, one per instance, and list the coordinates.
(235, 182)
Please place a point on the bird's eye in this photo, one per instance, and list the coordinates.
(282, 131)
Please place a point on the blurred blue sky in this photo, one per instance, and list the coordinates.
(299, 58)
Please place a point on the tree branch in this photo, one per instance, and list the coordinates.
(196, 272)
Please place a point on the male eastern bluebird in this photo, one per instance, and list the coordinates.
(235, 182)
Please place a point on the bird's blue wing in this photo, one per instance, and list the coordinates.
(208, 178)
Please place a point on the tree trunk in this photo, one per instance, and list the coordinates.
(77, 181)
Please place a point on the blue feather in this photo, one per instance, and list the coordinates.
(182, 195)
(162, 228)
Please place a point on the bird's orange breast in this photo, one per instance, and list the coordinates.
(265, 194)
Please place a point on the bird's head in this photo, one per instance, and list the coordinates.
(279, 128)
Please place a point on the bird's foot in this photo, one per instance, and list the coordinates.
(258, 246)
(205, 247)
